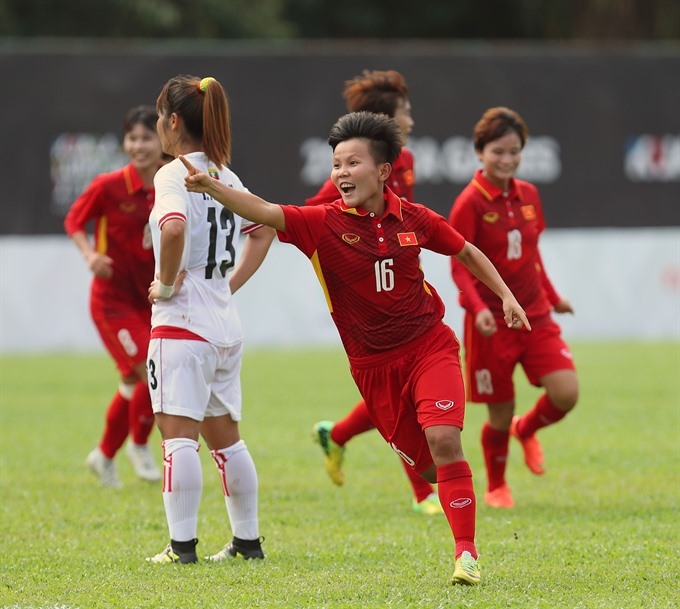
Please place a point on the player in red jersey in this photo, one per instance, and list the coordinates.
(365, 249)
(503, 217)
(122, 264)
(385, 92)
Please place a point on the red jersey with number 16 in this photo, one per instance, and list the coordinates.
(369, 268)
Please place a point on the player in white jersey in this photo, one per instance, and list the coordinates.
(194, 358)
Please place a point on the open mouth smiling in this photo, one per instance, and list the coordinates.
(346, 187)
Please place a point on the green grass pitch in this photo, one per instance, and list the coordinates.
(600, 530)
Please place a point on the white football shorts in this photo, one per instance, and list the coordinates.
(194, 379)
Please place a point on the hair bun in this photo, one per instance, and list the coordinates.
(203, 85)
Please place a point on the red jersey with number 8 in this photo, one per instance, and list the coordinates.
(119, 204)
(506, 226)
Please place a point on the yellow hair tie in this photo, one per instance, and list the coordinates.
(203, 85)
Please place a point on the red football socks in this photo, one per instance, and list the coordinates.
(141, 414)
(544, 413)
(495, 445)
(457, 497)
(116, 427)
(359, 421)
(356, 422)
(422, 489)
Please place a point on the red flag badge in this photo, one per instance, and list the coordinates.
(407, 239)
(529, 212)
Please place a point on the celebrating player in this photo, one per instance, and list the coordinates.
(196, 345)
(384, 92)
(365, 250)
(503, 217)
(121, 262)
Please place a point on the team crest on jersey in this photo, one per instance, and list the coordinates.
(529, 212)
(127, 207)
(350, 238)
(213, 173)
(491, 217)
(407, 239)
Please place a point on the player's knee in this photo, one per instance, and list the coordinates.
(223, 454)
(172, 445)
(430, 474)
(444, 443)
(126, 389)
(566, 398)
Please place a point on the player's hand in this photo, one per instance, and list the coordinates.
(514, 315)
(100, 265)
(485, 323)
(195, 180)
(154, 295)
(563, 306)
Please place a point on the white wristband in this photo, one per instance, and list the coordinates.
(165, 291)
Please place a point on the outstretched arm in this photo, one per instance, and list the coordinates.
(482, 268)
(245, 204)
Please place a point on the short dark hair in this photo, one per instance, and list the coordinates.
(146, 115)
(380, 130)
(497, 122)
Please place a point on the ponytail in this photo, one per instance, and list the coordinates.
(216, 123)
(204, 109)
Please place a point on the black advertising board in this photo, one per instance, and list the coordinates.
(604, 123)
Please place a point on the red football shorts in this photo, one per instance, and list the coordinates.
(125, 334)
(490, 361)
(411, 388)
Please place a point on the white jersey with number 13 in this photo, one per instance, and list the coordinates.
(204, 304)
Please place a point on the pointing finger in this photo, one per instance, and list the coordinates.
(190, 168)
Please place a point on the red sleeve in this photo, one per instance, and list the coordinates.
(304, 226)
(538, 204)
(327, 194)
(408, 176)
(550, 290)
(463, 219)
(548, 287)
(444, 239)
(86, 207)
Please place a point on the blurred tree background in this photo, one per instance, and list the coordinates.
(602, 20)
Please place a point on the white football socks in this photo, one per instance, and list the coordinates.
(182, 487)
(239, 483)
